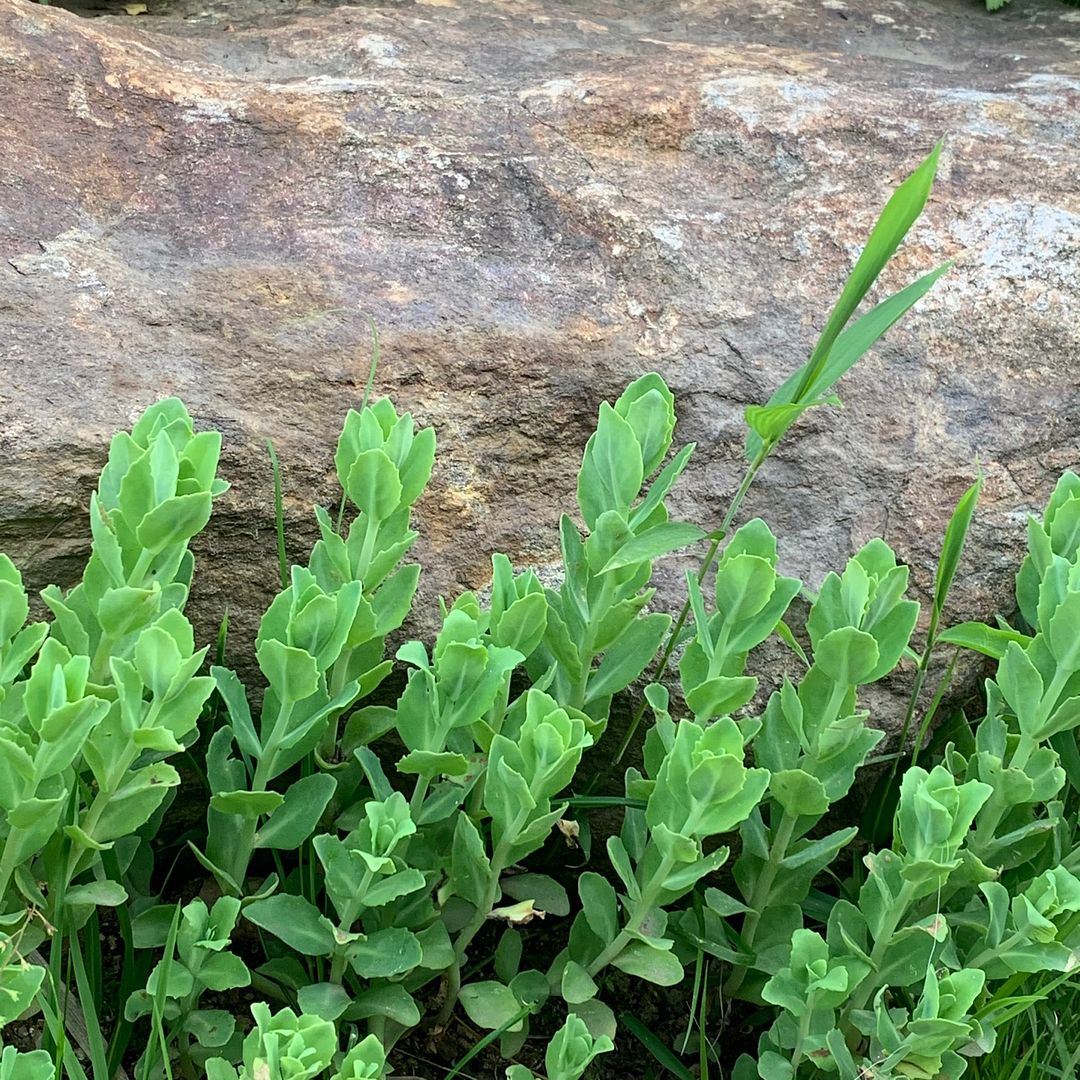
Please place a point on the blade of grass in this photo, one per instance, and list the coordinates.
(279, 516)
(157, 1015)
(821, 370)
(487, 1040)
(703, 1039)
(54, 1026)
(133, 972)
(951, 549)
(664, 1057)
(903, 207)
(95, 1043)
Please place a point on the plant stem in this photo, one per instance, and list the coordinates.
(596, 615)
(762, 892)
(803, 1033)
(706, 565)
(348, 917)
(881, 944)
(499, 861)
(267, 758)
(642, 908)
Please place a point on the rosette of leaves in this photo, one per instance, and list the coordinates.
(375, 945)
(808, 989)
(44, 722)
(383, 465)
(515, 618)
(883, 945)
(569, 1053)
(812, 740)
(1035, 930)
(201, 962)
(597, 613)
(281, 1046)
(320, 647)
(922, 1043)
(696, 786)
(1025, 748)
(154, 496)
(120, 664)
(524, 775)
(751, 600)
(285, 1046)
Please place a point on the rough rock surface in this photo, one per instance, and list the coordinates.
(535, 201)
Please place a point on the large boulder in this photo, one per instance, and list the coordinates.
(534, 202)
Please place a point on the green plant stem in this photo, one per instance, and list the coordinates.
(762, 892)
(338, 672)
(499, 861)
(684, 614)
(488, 1039)
(105, 795)
(909, 713)
(266, 764)
(649, 895)
(596, 615)
(881, 944)
(371, 533)
(348, 918)
(803, 1034)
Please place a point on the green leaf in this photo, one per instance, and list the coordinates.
(385, 953)
(647, 962)
(577, 984)
(175, 521)
(490, 1005)
(1022, 686)
(953, 545)
(628, 656)
(325, 1000)
(297, 816)
(469, 866)
(846, 655)
(134, 802)
(233, 694)
(548, 894)
(799, 793)
(246, 804)
(833, 355)
(651, 544)
(211, 1027)
(374, 484)
(1063, 632)
(770, 422)
(429, 763)
(599, 905)
(124, 610)
(611, 470)
(659, 488)
(292, 672)
(391, 1000)
(96, 894)
(988, 640)
(295, 921)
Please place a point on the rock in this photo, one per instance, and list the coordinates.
(535, 202)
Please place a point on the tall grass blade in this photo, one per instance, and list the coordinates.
(95, 1043)
(279, 516)
(487, 1040)
(664, 1057)
(157, 1015)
